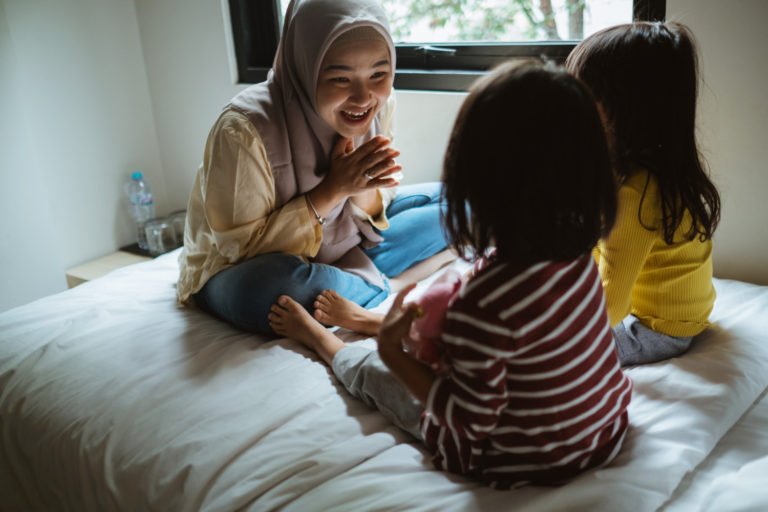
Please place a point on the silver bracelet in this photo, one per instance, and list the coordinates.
(320, 219)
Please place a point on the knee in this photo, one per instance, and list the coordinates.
(416, 196)
(282, 274)
(244, 294)
(362, 372)
(431, 190)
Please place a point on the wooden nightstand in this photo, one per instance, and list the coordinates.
(101, 266)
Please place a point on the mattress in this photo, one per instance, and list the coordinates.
(734, 476)
(114, 398)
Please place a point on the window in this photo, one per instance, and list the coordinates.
(445, 44)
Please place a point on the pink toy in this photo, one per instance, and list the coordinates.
(424, 337)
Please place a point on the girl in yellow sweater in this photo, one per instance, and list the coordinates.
(656, 265)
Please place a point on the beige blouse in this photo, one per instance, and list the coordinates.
(231, 214)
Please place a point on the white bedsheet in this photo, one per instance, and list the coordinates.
(741, 491)
(112, 398)
(734, 477)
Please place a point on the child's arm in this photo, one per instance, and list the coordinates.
(623, 254)
(470, 398)
(423, 341)
(416, 377)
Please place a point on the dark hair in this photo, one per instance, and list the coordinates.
(527, 168)
(644, 75)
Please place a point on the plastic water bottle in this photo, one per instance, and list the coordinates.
(142, 205)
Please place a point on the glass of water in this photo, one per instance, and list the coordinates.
(178, 219)
(161, 237)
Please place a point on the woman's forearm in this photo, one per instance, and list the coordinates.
(370, 202)
(323, 199)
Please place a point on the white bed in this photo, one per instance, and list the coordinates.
(112, 398)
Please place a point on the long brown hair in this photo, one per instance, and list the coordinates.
(644, 75)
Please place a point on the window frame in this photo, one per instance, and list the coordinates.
(433, 66)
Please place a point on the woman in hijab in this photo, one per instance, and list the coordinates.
(296, 193)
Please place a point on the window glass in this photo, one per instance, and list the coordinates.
(478, 21)
(446, 44)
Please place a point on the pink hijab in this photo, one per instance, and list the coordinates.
(297, 140)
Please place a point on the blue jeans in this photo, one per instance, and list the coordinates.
(243, 294)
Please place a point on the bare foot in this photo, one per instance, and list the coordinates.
(422, 269)
(288, 318)
(333, 309)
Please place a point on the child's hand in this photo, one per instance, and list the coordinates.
(397, 323)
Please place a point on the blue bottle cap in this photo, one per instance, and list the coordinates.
(136, 176)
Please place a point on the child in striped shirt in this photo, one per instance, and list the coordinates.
(530, 389)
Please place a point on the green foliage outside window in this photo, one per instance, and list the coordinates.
(485, 20)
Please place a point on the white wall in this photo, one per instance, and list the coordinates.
(191, 77)
(24, 208)
(76, 119)
(733, 45)
(186, 51)
(106, 86)
(423, 123)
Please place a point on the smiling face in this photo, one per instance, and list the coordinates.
(354, 82)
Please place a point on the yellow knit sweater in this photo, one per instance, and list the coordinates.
(668, 287)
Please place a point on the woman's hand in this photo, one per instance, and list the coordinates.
(356, 171)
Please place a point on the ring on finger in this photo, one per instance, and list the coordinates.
(367, 175)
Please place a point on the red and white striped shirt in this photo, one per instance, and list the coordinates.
(534, 392)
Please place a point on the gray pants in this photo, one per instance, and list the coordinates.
(366, 377)
(638, 344)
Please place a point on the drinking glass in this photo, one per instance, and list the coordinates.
(178, 219)
(161, 237)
